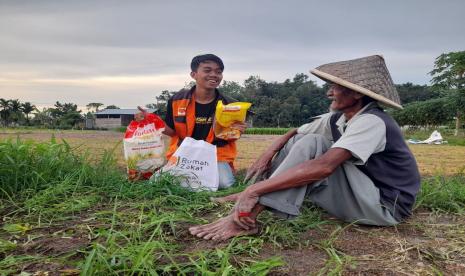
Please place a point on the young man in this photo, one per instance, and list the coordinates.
(352, 162)
(190, 113)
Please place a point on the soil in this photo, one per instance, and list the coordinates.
(419, 246)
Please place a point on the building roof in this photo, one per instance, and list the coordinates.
(122, 111)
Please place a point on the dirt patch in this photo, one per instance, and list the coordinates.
(50, 268)
(55, 246)
(300, 261)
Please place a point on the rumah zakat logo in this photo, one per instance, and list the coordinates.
(148, 129)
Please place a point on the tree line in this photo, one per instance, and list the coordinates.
(62, 115)
(289, 103)
(448, 96)
(293, 102)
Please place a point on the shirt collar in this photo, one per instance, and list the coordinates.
(342, 123)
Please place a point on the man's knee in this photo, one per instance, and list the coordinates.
(226, 177)
(313, 140)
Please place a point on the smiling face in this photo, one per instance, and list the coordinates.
(208, 75)
(344, 99)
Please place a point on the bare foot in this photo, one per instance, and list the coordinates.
(221, 230)
(224, 199)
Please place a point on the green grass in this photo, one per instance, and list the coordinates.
(141, 228)
(444, 194)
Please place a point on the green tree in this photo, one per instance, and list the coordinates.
(112, 106)
(232, 89)
(449, 76)
(16, 114)
(5, 112)
(93, 106)
(65, 115)
(428, 113)
(43, 118)
(27, 108)
(280, 104)
(409, 92)
(161, 102)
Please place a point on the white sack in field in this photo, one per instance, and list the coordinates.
(435, 138)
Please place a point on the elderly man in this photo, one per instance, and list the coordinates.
(352, 162)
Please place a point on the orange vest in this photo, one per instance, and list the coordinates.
(183, 106)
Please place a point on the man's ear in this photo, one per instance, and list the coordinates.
(193, 74)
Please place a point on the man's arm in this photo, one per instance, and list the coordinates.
(169, 123)
(262, 164)
(169, 131)
(307, 172)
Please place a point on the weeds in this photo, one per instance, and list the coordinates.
(141, 228)
(286, 233)
(445, 194)
(337, 260)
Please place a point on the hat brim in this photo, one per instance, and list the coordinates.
(330, 78)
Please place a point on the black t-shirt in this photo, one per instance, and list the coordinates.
(203, 118)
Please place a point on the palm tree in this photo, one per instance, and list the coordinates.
(27, 108)
(44, 117)
(15, 108)
(5, 112)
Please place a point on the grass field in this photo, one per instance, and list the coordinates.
(67, 209)
(432, 159)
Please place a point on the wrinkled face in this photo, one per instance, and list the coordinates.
(208, 75)
(343, 99)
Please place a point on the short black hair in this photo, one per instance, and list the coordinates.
(195, 63)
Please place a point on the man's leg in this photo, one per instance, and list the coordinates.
(278, 158)
(225, 228)
(226, 175)
(347, 193)
(301, 149)
(287, 203)
(281, 155)
(350, 195)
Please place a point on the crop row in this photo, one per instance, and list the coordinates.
(266, 131)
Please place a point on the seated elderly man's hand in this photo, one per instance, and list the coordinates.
(259, 167)
(243, 209)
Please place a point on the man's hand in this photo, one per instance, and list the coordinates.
(241, 126)
(260, 166)
(263, 163)
(140, 115)
(243, 209)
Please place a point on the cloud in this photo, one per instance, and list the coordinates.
(85, 51)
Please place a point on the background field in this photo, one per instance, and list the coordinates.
(70, 211)
(432, 159)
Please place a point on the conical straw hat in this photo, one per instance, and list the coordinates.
(367, 75)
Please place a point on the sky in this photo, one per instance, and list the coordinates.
(125, 53)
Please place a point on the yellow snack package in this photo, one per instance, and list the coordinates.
(226, 115)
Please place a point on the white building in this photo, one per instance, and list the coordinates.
(114, 118)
